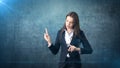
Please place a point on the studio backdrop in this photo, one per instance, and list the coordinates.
(23, 23)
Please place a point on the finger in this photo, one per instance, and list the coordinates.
(69, 49)
(46, 31)
(44, 34)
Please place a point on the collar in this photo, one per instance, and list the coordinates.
(70, 34)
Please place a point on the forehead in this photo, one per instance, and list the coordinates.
(69, 18)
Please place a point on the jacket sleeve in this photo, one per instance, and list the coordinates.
(86, 45)
(54, 48)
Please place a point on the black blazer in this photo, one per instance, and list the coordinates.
(76, 41)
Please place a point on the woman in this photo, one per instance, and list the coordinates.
(69, 39)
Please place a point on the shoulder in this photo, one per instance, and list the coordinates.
(60, 31)
(81, 32)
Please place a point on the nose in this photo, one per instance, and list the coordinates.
(68, 23)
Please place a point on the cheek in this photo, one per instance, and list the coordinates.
(71, 25)
(66, 23)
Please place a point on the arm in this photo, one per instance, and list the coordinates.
(86, 46)
(53, 48)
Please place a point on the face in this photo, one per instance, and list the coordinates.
(69, 22)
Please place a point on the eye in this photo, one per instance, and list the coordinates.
(67, 20)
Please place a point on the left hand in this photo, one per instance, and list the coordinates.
(72, 48)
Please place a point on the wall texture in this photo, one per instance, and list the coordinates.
(22, 24)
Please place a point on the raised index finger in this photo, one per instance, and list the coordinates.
(46, 31)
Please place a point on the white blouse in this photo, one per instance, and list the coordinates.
(68, 37)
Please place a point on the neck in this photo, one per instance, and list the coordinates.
(69, 30)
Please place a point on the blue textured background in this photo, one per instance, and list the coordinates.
(22, 24)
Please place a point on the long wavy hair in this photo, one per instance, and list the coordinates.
(76, 26)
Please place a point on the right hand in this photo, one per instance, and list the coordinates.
(47, 37)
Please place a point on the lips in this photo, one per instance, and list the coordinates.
(68, 26)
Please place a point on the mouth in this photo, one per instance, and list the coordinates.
(68, 26)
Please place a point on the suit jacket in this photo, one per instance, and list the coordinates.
(76, 41)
